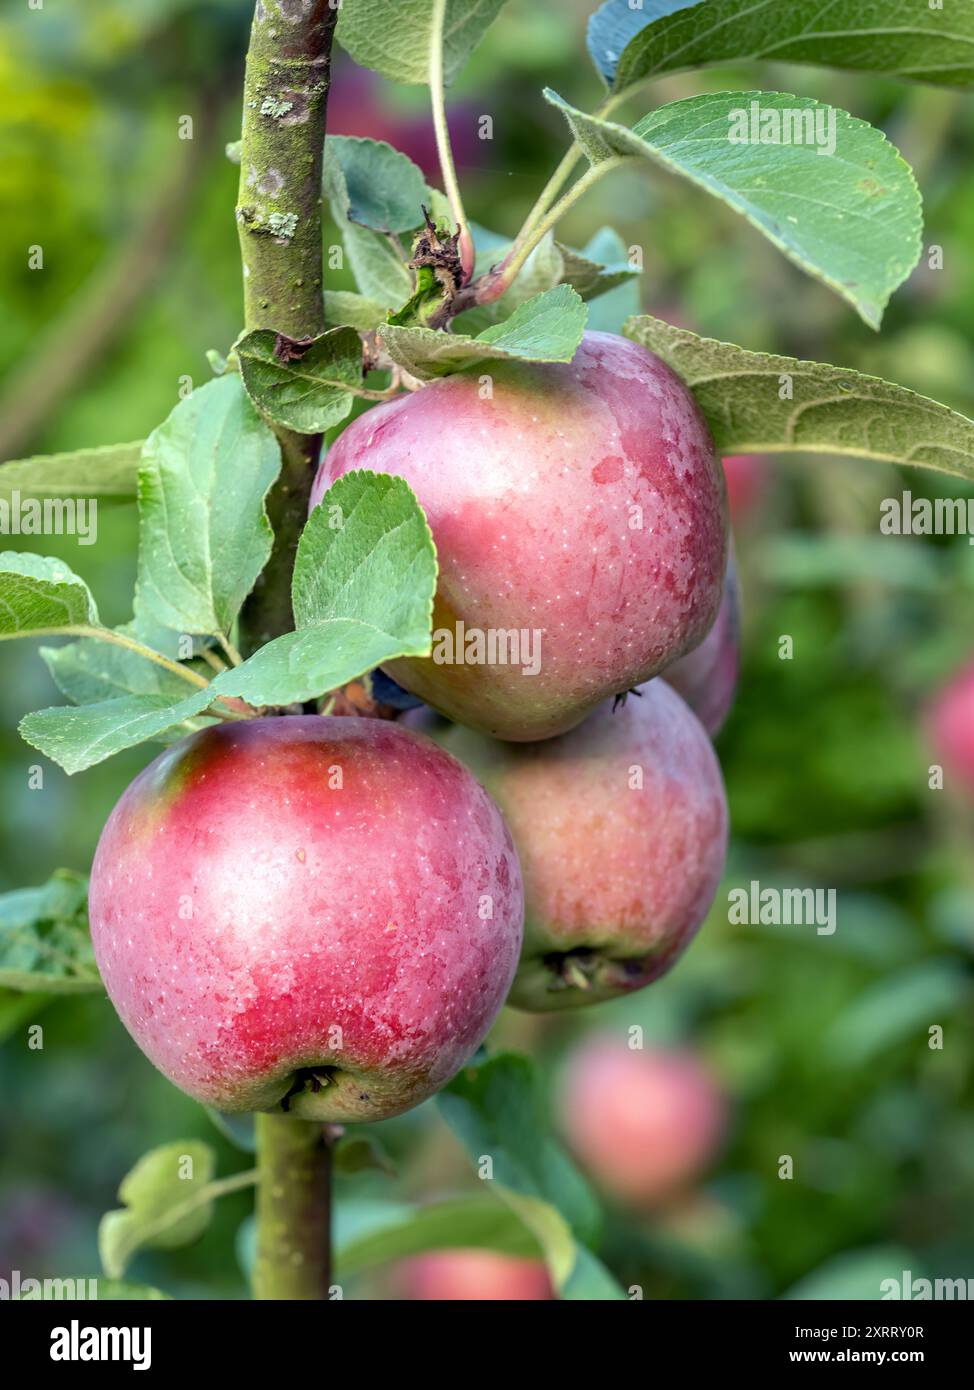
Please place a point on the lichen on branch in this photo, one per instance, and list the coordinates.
(282, 147)
(281, 152)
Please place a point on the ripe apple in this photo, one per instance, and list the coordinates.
(643, 1122)
(950, 721)
(621, 829)
(580, 517)
(707, 677)
(320, 915)
(451, 1275)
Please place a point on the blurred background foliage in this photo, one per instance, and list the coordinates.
(820, 1042)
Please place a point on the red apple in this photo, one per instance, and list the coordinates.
(580, 519)
(451, 1275)
(315, 914)
(707, 677)
(644, 1123)
(951, 725)
(621, 829)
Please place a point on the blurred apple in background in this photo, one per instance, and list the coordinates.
(451, 1275)
(747, 477)
(644, 1123)
(950, 721)
(362, 103)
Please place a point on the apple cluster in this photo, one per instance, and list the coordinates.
(323, 915)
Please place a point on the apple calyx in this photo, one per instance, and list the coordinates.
(555, 979)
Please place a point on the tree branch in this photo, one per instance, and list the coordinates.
(286, 84)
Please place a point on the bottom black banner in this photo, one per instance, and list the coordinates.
(170, 1337)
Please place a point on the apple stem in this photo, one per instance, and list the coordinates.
(550, 193)
(512, 265)
(497, 281)
(560, 177)
(294, 1162)
(286, 83)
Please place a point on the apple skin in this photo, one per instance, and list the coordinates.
(616, 879)
(707, 677)
(244, 907)
(950, 723)
(533, 496)
(644, 1123)
(484, 1275)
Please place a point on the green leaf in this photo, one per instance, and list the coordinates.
(384, 189)
(17, 1008)
(592, 273)
(547, 328)
(309, 393)
(91, 670)
(380, 271)
(343, 307)
(552, 263)
(166, 1200)
(366, 555)
(358, 1153)
(901, 38)
(38, 595)
(369, 1234)
(44, 942)
(398, 45)
(109, 474)
(806, 560)
(117, 1289)
(77, 738)
(204, 536)
(490, 247)
(826, 409)
(857, 1275)
(851, 217)
(495, 1111)
(590, 1281)
(896, 1008)
(608, 311)
(600, 269)
(240, 1129)
(362, 591)
(542, 271)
